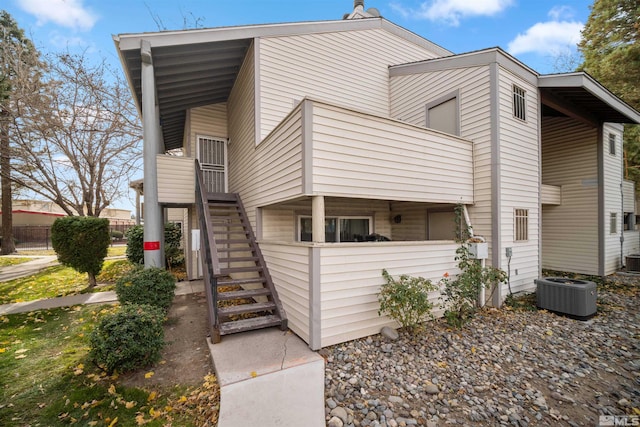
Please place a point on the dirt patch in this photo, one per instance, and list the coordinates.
(185, 358)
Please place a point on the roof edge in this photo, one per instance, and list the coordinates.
(586, 81)
(131, 41)
(468, 59)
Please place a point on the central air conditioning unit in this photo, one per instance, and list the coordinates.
(572, 297)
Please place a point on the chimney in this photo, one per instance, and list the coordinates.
(357, 3)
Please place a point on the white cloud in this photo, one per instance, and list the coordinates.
(547, 38)
(452, 11)
(67, 13)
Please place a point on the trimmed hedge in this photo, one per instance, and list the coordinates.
(153, 286)
(130, 339)
(81, 242)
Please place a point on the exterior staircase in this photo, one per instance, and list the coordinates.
(240, 293)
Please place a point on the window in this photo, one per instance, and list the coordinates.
(337, 229)
(521, 225)
(613, 222)
(519, 103)
(442, 115)
(612, 144)
(629, 221)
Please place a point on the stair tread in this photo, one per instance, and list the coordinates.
(246, 308)
(245, 293)
(254, 268)
(234, 249)
(238, 259)
(227, 282)
(233, 241)
(249, 324)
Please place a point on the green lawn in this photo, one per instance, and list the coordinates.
(59, 281)
(6, 261)
(46, 378)
(119, 250)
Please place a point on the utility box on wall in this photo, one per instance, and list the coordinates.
(479, 250)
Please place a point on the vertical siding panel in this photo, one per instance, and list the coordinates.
(519, 180)
(570, 231)
(349, 68)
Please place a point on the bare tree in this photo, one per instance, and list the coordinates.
(77, 138)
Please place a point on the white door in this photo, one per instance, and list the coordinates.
(212, 154)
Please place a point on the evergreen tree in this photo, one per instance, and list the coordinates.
(610, 46)
(17, 53)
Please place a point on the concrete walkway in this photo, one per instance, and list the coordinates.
(267, 377)
(28, 268)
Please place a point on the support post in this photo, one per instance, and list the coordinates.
(153, 227)
(317, 219)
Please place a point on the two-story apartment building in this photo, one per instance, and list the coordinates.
(337, 133)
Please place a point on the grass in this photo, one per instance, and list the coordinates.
(59, 281)
(47, 379)
(6, 261)
(119, 250)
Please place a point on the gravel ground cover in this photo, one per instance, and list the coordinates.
(506, 367)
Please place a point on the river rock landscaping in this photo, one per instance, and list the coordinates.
(506, 367)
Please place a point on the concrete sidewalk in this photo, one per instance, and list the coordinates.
(182, 288)
(268, 378)
(28, 268)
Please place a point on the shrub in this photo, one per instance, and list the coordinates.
(81, 243)
(116, 234)
(153, 286)
(172, 252)
(461, 294)
(406, 300)
(128, 339)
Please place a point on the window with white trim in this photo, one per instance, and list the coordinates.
(612, 144)
(613, 222)
(521, 219)
(337, 229)
(519, 103)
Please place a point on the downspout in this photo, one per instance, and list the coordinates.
(622, 221)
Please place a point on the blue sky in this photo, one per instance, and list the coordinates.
(537, 32)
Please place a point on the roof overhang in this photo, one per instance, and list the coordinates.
(580, 96)
(198, 67)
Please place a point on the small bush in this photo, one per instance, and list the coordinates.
(116, 234)
(81, 243)
(128, 339)
(172, 251)
(153, 286)
(406, 300)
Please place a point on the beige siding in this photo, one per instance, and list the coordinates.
(613, 177)
(570, 231)
(409, 95)
(241, 107)
(351, 276)
(358, 155)
(550, 195)
(289, 269)
(348, 68)
(176, 179)
(210, 121)
(519, 181)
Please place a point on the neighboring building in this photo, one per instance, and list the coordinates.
(38, 212)
(359, 127)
